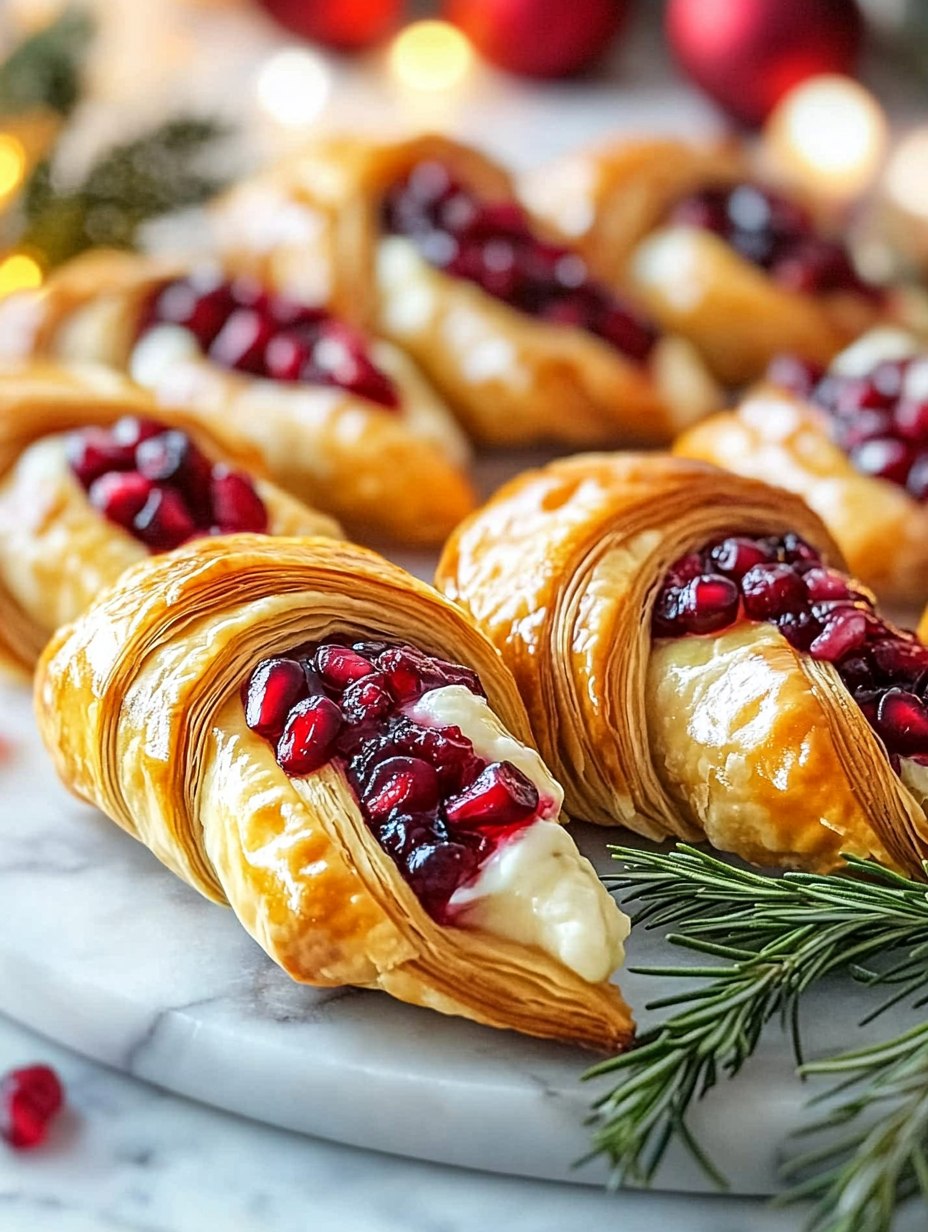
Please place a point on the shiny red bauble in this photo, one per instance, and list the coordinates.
(344, 25)
(746, 54)
(539, 38)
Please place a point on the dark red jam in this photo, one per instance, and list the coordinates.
(155, 483)
(29, 1100)
(782, 580)
(775, 233)
(492, 245)
(880, 420)
(436, 808)
(240, 325)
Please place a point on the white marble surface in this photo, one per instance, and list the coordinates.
(128, 1158)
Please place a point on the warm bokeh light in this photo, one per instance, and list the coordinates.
(431, 55)
(829, 136)
(12, 164)
(293, 87)
(906, 181)
(19, 272)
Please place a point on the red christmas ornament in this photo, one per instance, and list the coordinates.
(539, 38)
(746, 54)
(345, 25)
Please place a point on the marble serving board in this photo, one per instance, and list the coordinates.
(104, 950)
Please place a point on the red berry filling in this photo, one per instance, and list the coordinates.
(437, 808)
(783, 581)
(239, 325)
(155, 483)
(880, 420)
(492, 245)
(29, 1099)
(775, 233)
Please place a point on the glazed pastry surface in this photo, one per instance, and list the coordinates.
(155, 670)
(615, 199)
(57, 552)
(396, 473)
(313, 226)
(735, 736)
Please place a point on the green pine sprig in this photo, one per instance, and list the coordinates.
(44, 70)
(153, 174)
(777, 937)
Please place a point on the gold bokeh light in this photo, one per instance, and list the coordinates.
(431, 56)
(19, 272)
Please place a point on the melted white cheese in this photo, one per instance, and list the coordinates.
(158, 350)
(536, 888)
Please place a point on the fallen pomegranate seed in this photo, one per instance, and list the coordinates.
(500, 796)
(902, 719)
(309, 736)
(273, 689)
(29, 1099)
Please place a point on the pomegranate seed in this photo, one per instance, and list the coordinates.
(309, 737)
(120, 495)
(883, 458)
(735, 556)
(171, 456)
(912, 421)
(902, 719)
(286, 355)
(500, 796)
(401, 782)
(29, 1099)
(772, 590)
(93, 453)
(799, 376)
(273, 689)
(436, 870)
(845, 632)
(823, 584)
(130, 432)
(340, 666)
(242, 341)
(236, 505)
(164, 521)
(367, 699)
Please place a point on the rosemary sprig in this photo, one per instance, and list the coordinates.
(44, 70)
(777, 937)
(858, 1180)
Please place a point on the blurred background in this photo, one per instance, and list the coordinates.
(117, 113)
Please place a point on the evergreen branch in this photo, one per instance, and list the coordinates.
(778, 936)
(154, 174)
(44, 70)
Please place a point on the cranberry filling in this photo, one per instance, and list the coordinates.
(775, 233)
(155, 483)
(241, 326)
(492, 245)
(29, 1099)
(880, 420)
(436, 807)
(783, 581)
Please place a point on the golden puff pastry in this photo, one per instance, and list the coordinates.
(850, 443)
(690, 654)
(422, 241)
(389, 465)
(239, 706)
(58, 549)
(688, 266)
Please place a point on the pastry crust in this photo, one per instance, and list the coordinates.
(312, 225)
(396, 474)
(613, 199)
(56, 551)
(734, 737)
(771, 435)
(138, 703)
